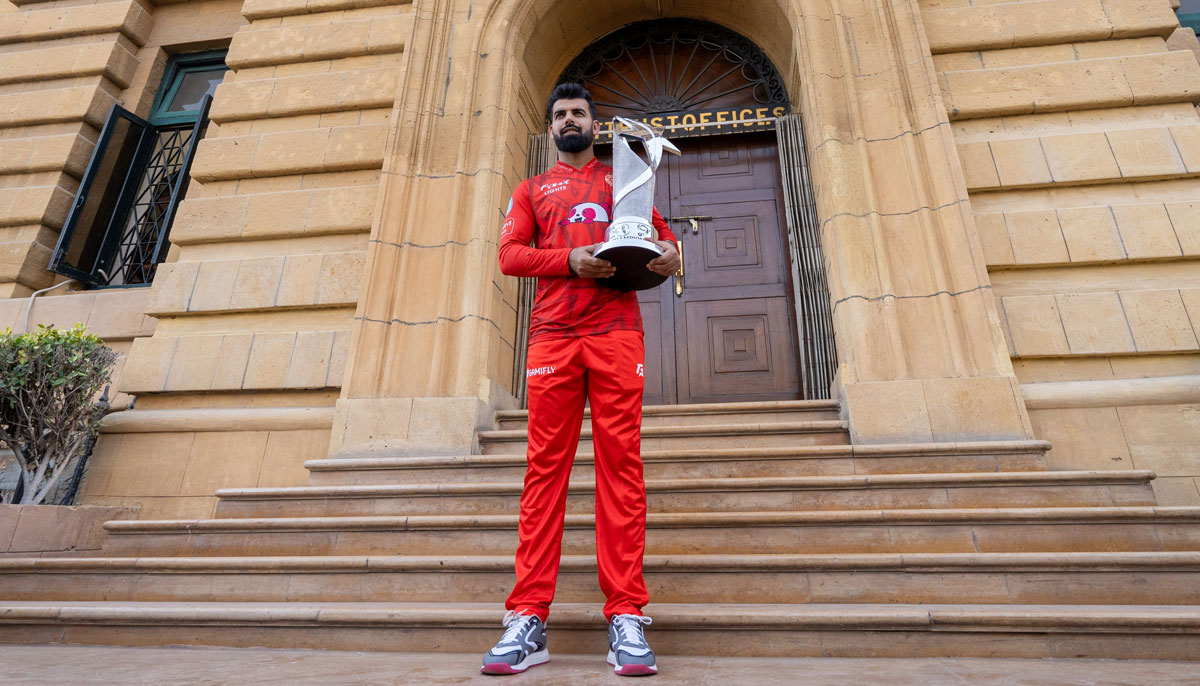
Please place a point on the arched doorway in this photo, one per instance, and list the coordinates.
(748, 319)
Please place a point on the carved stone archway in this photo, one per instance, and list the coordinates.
(921, 354)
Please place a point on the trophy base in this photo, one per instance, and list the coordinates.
(630, 256)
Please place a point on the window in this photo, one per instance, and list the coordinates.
(116, 232)
(1189, 14)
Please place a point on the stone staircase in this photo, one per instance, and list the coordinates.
(768, 534)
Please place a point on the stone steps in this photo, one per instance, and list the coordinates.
(1002, 578)
(1111, 529)
(708, 413)
(698, 436)
(726, 462)
(877, 630)
(872, 491)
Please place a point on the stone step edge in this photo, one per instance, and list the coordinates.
(865, 481)
(1100, 619)
(870, 562)
(695, 454)
(671, 520)
(705, 408)
(693, 430)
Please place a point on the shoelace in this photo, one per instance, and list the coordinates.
(630, 628)
(515, 623)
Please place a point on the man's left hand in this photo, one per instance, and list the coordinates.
(667, 263)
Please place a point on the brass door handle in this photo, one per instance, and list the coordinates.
(694, 221)
(679, 272)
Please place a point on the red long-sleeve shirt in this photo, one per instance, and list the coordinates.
(557, 211)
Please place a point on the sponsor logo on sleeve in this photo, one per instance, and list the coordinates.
(508, 226)
(641, 370)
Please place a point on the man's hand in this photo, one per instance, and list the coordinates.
(667, 263)
(584, 265)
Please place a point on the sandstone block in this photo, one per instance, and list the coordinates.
(1036, 237)
(215, 282)
(173, 286)
(1146, 231)
(295, 152)
(1145, 152)
(223, 459)
(993, 238)
(193, 364)
(1020, 162)
(355, 147)
(337, 359)
(1185, 218)
(224, 158)
(300, 281)
(276, 214)
(1140, 17)
(1035, 325)
(341, 274)
(257, 283)
(1158, 321)
(1094, 323)
(310, 359)
(1091, 234)
(342, 209)
(205, 219)
(231, 363)
(1187, 140)
(270, 357)
(1080, 157)
(147, 366)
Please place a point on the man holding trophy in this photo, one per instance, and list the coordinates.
(590, 249)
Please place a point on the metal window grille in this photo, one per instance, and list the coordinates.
(116, 232)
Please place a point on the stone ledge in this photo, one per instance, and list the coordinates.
(1027, 24)
(128, 17)
(255, 10)
(214, 419)
(1164, 390)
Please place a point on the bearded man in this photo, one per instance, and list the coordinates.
(585, 344)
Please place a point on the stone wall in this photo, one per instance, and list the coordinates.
(1077, 129)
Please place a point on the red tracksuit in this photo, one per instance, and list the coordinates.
(585, 342)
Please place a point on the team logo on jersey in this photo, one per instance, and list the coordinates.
(554, 187)
(641, 370)
(586, 213)
(608, 179)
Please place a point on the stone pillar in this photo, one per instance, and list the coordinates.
(921, 353)
(434, 327)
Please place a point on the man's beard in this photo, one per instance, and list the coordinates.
(574, 141)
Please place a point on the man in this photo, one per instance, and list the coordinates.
(585, 343)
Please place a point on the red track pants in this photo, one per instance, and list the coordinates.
(607, 370)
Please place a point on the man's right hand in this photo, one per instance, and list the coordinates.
(582, 263)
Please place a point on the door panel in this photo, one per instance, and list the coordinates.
(730, 336)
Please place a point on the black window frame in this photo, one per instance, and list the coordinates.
(110, 258)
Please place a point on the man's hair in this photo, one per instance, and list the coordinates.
(568, 91)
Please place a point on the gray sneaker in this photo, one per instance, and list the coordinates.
(628, 652)
(522, 646)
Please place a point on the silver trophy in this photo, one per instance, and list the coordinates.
(627, 241)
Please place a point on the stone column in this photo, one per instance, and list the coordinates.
(434, 324)
(921, 353)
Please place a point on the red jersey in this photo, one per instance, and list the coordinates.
(562, 209)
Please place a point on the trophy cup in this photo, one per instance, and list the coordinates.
(627, 245)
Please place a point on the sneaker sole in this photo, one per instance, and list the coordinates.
(631, 670)
(533, 660)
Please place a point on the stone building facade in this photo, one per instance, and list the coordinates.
(1007, 197)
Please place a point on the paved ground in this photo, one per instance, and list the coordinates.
(93, 666)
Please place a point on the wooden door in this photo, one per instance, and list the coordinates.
(731, 334)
